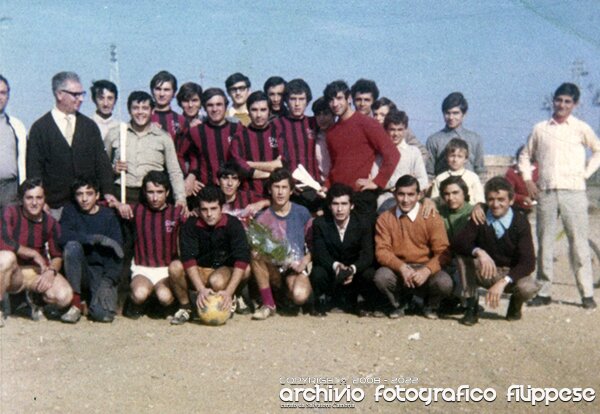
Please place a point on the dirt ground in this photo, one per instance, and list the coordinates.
(241, 367)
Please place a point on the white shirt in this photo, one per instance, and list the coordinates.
(60, 118)
(412, 214)
(105, 124)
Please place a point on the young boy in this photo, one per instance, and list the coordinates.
(291, 222)
(92, 250)
(29, 255)
(498, 255)
(242, 204)
(156, 227)
(215, 255)
(457, 154)
(104, 96)
(411, 161)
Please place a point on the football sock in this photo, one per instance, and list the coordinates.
(267, 297)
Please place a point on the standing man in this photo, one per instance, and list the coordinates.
(65, 144)
(188, 99)
(207, 145)
(364, 93)
(275, 89)
(163, 86)
(13, 144)
(412, 252)
(354, 142)
(238, 88)
(104, 96)
(559, 146)
(454, 108)
(148, 149)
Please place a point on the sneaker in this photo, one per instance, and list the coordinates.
(513, 313)
(396, 313)
(72, 315)
(181, 316)
(37, 311)
(263, 313)
(471, 316)
(430, 313)
(133, 311)
(378, 313)
(242, 307)
(588, 303)
(540, 301)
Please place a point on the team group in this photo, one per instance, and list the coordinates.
(373, 222)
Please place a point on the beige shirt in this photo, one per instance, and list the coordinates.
(150, 150)
(105, 124)
(560, 150)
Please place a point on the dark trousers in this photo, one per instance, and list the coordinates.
(323, 282)
(99, 279)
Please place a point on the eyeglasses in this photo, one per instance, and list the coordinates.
(237, 89)
(75, 95)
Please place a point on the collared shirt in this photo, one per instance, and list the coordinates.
(147, 151)
(499, 224)
(412, 214)
(60, 118)
(342, 229)
(243, 115)
(105, 124)
(560, 150)
(436, 144)
(8, 155)
(476, 193)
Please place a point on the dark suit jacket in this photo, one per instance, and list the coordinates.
(356, 249)
(50, 158)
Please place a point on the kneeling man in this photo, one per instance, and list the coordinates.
(215, 255)
(29, 255)
(92, 243)
(498, 256)
(412, 251)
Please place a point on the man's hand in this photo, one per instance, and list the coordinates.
(111, 200)
(227, 300)
(365, 184)
(407, 274)
(478, 215)
(195, 122)
(184, 208)
(429, 208)
(120, 166)
(420, 276)
(487, 265)
(45, 281)
(495, 293)
(39, 260)
(192, 185)
(203, 294)
(298, 266)
(125, 211)
(532, 189)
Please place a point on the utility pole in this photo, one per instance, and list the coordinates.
(115, 75)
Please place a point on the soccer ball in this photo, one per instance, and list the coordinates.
(211, 314)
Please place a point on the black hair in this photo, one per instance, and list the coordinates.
(455, 179)
(395, 117)
(273, 81)
(157, 178)
(332, 89)
(100, 85)
(365, 86)
(256, 96)
(499, 183)
(280, 174)
(139, 96)
(229, 168)
(320, 106)
(209, 194)
(235, 78)
(3, 79)
(297, 87)
(339, 190)
(85, 181)
(384, 102)
(210, 93)
(162, 77)
(453, 100)
(569, 89)
(30, 184)
(407, 181)
(187, 92)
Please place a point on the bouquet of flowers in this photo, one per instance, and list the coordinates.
(266, 246)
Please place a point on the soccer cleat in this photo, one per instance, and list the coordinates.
(37, 312)
(181, 316)
(430, 313)
(540, 301)
(242, 307)
(471, 316)
(263, 313)
(396, 313)
(72, 315)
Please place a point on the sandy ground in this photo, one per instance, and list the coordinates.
(150, 366)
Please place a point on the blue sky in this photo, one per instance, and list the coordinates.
(505, 56)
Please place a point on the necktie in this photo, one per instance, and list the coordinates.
(69, 130)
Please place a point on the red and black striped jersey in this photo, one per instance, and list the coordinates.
(206, 148)
(17, 230)
(299, 136)
(177, 127)
(156, 234)
(251, 144)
